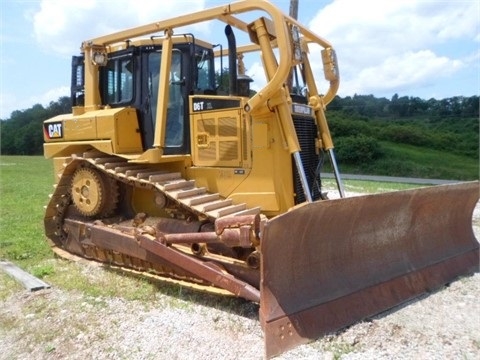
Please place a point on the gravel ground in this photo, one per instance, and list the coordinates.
(59, 324)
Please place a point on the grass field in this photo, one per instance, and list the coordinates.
(25, 183)
(429, 163)
(413, 161)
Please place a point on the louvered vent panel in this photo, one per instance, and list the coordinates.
(227, 126)
(207, 125)
(228, 150)
(208, 154)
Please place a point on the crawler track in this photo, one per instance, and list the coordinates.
(69, 231)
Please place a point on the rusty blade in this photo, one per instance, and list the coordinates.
(331, 263)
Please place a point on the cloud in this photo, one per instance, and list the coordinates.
(399, 72)
(257, 73)
(61, 26)
(382, 46)
(51, 95)
(10, 103)
(397, 44)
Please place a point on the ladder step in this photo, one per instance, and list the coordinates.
(134, 172)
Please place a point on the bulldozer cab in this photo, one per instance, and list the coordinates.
(131, 77)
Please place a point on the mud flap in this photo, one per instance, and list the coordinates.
(328, 264)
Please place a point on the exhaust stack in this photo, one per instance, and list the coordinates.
(232, 60)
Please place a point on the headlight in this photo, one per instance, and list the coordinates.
(99, 58)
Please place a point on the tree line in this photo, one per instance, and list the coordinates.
(358, 124)
(407, 106)
(22, 133)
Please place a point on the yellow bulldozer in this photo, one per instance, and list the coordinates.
(161, 169)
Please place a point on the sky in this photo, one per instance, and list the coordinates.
(424, 48)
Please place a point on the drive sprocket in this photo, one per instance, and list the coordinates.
(93, 194)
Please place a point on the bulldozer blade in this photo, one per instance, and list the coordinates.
(329, 264)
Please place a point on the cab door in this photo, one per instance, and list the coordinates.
(176, 141)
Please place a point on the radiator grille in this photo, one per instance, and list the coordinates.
(306, 133)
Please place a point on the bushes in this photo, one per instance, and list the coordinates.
(357, 149)
(459, 135)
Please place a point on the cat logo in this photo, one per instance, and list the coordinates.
(54, 130)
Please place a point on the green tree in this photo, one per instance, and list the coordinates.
(22, 133)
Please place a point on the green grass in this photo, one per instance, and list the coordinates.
(413, 161)
(25, 183)
(428, 163)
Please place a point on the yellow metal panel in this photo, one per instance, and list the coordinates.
(221, 180)
(119, 125)
(268, 201)
(176, 39)
(122, 127)
(105, 124)
(70, 147)
(127, 132)
(80, 128)
(143, 200)
(105, 127)
(260, 136)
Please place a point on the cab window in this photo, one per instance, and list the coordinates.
(118, 81)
